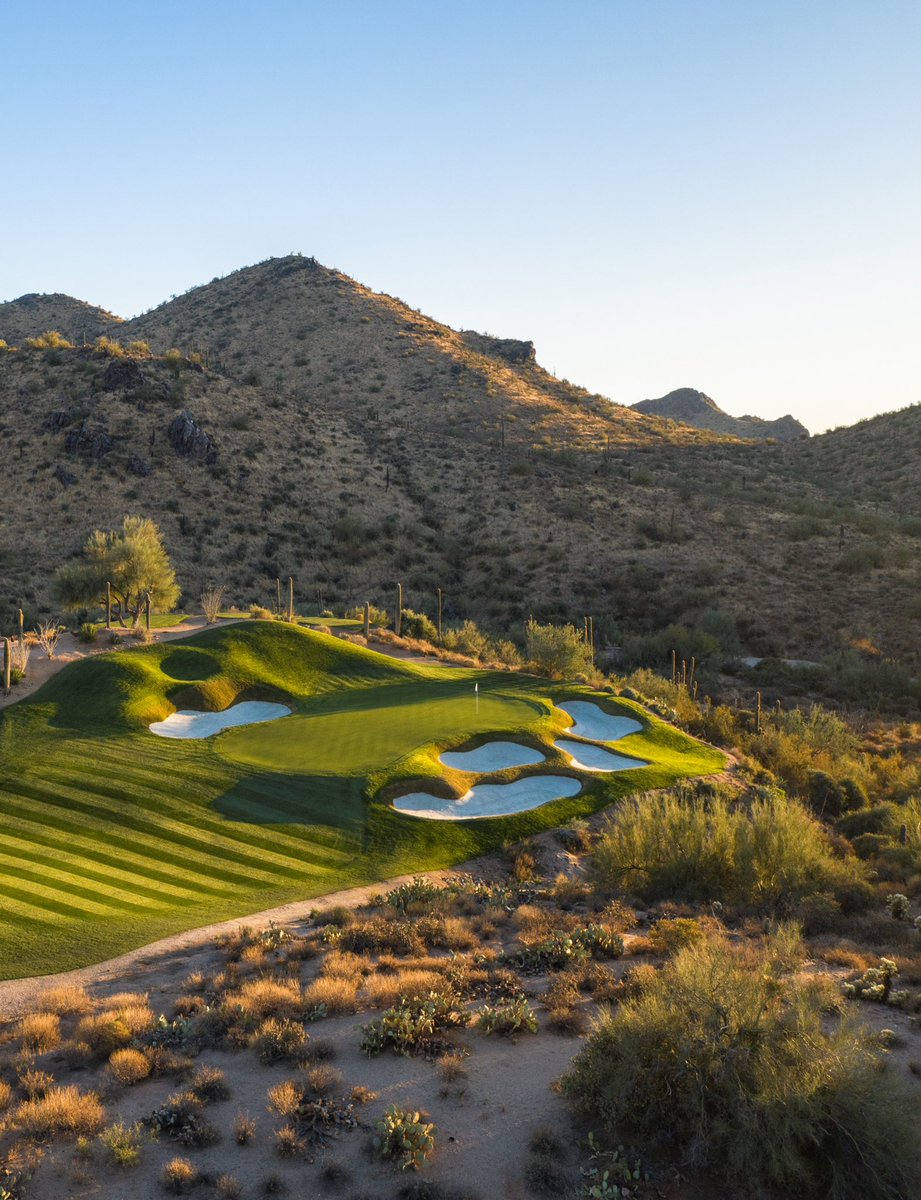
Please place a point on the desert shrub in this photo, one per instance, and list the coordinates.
(681, 845)
(378, 934)
(267, 996)
(418, 891)
(89, 632)
(385, 991)
(209, 1084)
(179, 1176)
(258, 613)
(35, 1083)
(406, 1136)
(672, 933)
(731, 1058)
(323, 1078)
(379, 616)
(49, 340)
(244, 1128)
(516, 1016)
(882, 818)
(331, 994)
(129, 1066)
(556, 650)
(123, 1143)
(181, 1120)
(414, 1026)
(418, 625)
(898, 906)
(40, 1032)
(61, 1111)
(103, 1033)
(467, 639)
(228, 1187)
(280, 1040)
(6, 1095)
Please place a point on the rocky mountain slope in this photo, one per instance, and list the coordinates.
(75, 320)
(696, 409)
(311, 427)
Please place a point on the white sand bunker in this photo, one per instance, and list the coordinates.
(592, 722)
(489, 799)
(492, 756)
(190, 724)
(594, 758)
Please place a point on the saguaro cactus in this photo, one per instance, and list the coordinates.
(108, 606)
(7, 663)
(441, 604)
(290, 597)
(367, 620)
(398, 619)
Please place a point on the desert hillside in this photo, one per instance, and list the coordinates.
(314, 428)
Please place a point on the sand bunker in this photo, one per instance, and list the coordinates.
(592, 722)
(594, 758)
(190, 724)
(492, 756)
(489, 799)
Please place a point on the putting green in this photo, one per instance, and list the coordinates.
(367, 730)
(113, 837)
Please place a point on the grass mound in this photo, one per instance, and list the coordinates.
(726, 1055)
(114, 837)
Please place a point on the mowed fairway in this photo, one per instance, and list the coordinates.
(111, 837)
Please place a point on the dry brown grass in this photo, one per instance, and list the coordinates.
(284, 1098)
(385, 991)
(61, 1111)
(844, 956)
(129, 1066)
(35, 1083)
(101, 1034)
(338, 994)
(119, 1001)
(343, 964)
(324, 1078)
(40, 1032)
(6, 1095)
(65, 1000)
(269, 996)
(452, 1065)
(179, 1176)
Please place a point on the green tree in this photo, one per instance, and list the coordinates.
(132, 559)
(556, 650)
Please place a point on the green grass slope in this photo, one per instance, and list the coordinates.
(112, 837)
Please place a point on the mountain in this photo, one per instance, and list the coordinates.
(76, 320)
(696, 409)
(288, 420)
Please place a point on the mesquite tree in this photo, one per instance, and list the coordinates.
(133, 559)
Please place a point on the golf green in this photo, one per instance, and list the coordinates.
(112, 837)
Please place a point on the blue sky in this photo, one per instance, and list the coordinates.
(718, 195)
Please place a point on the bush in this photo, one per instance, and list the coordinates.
(61, 1111)
(674, 933)
(731, 1059)
(181, 1119)
(179, 1176)
(556, 650)
(124, 1143)
(418, 625)
(280, 1041)
(88, 632)
(49, 340)
(680, 845)
(129, 1066)
(403, 1134)
(40, 1032)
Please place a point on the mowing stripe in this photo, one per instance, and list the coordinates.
(67, 882)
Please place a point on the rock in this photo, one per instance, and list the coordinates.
(122, 374)
(93, 441)
(139, 466)
(187, 437)
(510, 350)
(63, 476)
(696, 409)
(57, 420)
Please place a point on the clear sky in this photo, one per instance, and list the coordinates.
(722, 195)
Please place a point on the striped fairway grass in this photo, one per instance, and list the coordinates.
(111, 837)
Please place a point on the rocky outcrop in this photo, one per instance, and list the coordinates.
(122, 374)
(89, 440)
(690, 407)
(187, 437)
(510, 350)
